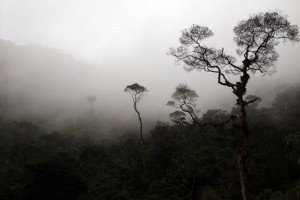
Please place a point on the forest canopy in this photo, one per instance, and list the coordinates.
(247, 151)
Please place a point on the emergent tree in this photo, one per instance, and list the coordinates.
(256, 39)
(185, 98)
(137, 92)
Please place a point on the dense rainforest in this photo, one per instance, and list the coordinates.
(176, 162)
(250, 152)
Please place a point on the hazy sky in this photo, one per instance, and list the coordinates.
(128, 39)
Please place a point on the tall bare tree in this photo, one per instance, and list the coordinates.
(137, 92)
(256, 39)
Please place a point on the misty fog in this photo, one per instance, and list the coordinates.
(148, 99)
(53, 54)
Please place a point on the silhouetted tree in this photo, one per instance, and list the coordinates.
(185, 99)
(137, 92)
(256, 39)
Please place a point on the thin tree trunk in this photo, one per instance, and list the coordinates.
(141, 123)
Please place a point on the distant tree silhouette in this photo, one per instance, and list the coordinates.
(91, 100)
(256, 39)
(185, 98)
(137, 92)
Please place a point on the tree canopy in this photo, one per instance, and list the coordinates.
(255, 37)
(137, 91)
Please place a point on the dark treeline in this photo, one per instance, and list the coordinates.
(177, 161)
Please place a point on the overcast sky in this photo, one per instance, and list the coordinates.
(128, 39)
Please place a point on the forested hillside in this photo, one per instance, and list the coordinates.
(88, 109)
(176, 162)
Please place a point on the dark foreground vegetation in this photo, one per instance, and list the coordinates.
(177, 161)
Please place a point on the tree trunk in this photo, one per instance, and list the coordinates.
(141, 123)
(243, 151)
